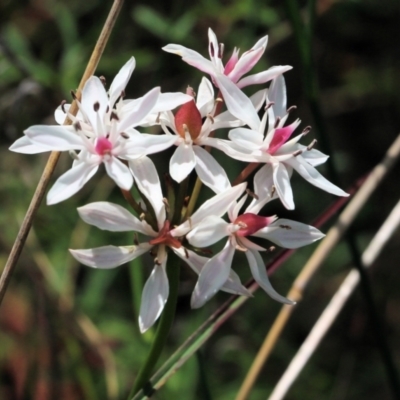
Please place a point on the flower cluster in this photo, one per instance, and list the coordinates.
(105, 131)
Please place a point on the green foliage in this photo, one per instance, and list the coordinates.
(48, 44)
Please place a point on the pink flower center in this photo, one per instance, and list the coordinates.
(103, 146)
(250, 223)
(281, 135)
(164, 237)
(188, 118)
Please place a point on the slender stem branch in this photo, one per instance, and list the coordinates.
(333, 236)
(303, 34)
(54, 156)
(219, 317)
(334, 307)
(143, 378)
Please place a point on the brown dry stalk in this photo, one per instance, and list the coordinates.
(55, 155)
(332, 238)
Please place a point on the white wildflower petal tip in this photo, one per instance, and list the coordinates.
(154, 296)
(108, 257)
(110, 217)
(71, 182)
(261, 277)
(213, 276)
(290, 234)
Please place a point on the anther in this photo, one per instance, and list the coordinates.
(96, 106)
(186, 201)
(211, 118)
(107, 109)
(124, 135)
(278, 119)
(166, 204)
(212, 52)
(103, 80)
(114, 116)
(219, 100)
(135, 239)
(312, 144)
(142, 216)
(252, 194)
(63, 106)
(156, 261)
(73, 155)
(273, 190)
(221, 50)
(269, 105)
(158, 118)
(290, 109)
(271, 249)
(122, 94)
(77, 126)
(240, 248)
(73, 95)
(306, 130)
(297, 153)
(186, 252)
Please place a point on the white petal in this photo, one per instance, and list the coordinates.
(209, 231)
(94, 93)
(182, 162)
(260, 276)
(144, 144)
(246, 63)
(246, 138)
(54, 137)
(169, 101)
(146, 177)
(144, 107)
(313, 157)
(71, 182)
(108, 257)
(191, 57)
(196, 262)
(289, 234)
(109, 216)
(277, 95)
(234, 285)
(263, 188)
(264, 76)
(209, 171)
(192, 259)
(237, 102)
(310, 174)
(24, 145)
(213, 276)
(205, 97)
(282, 185)
(219, 204)
(119, 172)
(121, 80)
(154, 296)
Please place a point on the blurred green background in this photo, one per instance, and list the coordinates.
(70, 332)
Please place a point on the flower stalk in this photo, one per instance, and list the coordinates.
(55, 155)
(167, 317)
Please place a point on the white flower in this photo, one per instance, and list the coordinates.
(283, 232)
(228, 78)
(191, 133)
(113, 217)
(103, 132)
(280, 154)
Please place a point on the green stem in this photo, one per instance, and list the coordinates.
(143, 378)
